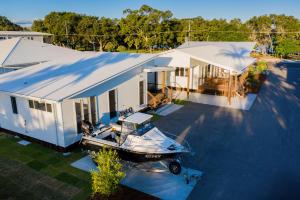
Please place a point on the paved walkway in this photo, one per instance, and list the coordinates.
(222, 101)
(245, 155)
(163, 185)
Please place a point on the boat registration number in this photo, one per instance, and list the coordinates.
(153, 156)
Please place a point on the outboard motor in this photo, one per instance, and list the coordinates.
(87, 127)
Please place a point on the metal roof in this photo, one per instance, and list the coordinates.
(20, 51)
(70, 76)
(234, 56)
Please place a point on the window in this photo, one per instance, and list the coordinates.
(49, 107)
(42, 106)
(86, 111)
(14, 105)
(30, 104)
(36, 104)
(177, 71)
(181, 71)
(186, 72)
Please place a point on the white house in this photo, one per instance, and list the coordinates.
(30, 35)
(20, 52)
(47, 101)
(204, 67)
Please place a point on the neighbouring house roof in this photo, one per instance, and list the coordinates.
(69, 76)
(21, 51)
(234, 56)
(23, 33)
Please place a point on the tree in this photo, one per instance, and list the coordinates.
(6, 25)
(148, 28)
(106, 178)
(287, 46)
(141, 28)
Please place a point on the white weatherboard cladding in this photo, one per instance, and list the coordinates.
(30, 122)
(69, 122)
(128, 93)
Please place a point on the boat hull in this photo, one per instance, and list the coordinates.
(132, 156)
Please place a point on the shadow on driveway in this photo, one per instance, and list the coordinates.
(246, 154)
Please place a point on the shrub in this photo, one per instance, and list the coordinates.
(109, 173)
(261, 67)
(121, 48)
(110, 47)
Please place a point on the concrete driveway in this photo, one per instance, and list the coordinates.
(251, 154)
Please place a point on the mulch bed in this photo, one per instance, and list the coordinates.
(125, 193)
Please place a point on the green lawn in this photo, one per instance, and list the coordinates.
(38, 172)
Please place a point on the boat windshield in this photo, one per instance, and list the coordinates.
(137, 129)
(144, 128)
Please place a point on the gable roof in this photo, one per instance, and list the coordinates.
(234, 56)
(20, 51)
(69, 76)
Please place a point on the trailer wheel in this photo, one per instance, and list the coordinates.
(175, 167)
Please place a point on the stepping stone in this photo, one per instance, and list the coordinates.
(24, 142)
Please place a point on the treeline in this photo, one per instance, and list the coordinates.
(150, 29)
(6, 25)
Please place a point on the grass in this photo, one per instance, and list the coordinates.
(179, 102)
(37, 172)
(155, 117)
(43, 171)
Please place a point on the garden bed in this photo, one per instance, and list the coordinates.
(257, 74)
(125, 193)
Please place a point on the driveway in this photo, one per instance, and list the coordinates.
(251, 154)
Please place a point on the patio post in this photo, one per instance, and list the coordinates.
(188, 83)
(163, 81)
(235, 82)
(229, 89)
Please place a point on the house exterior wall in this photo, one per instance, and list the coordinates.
(127, 96)
(31, 122)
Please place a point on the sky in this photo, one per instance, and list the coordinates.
(29, 10)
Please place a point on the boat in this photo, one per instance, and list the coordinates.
(135, 139)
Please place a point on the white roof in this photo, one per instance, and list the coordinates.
(69, 76)
(20, 51)
(137, 118)
(234, 56)
(23, 33)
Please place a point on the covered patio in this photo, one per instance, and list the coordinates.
(212, 68)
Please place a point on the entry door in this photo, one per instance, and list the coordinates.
(112, 104)
(78, 116)
(141, 93)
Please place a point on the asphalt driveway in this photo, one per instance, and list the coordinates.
(251, 154)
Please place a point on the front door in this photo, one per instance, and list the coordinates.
(112, 104)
